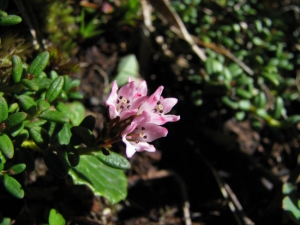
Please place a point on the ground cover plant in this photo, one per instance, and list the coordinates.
(87, 138)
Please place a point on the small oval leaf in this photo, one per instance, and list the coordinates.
(55, 218)
(54, 116)
(27, 103)
(55, 164)
(40, 137)
(2, 161)
(42, 83)
(3, 109)
(73, 157)
(16, 169)
(16, 130)
(42, 105)
(83, 134)
(17, 68)
(88, 122)
(54, 89)
(39, 64)
(6, 146)
(30, 84)
(114, 160)
(13, 186)
(15, 119)
(10, 20)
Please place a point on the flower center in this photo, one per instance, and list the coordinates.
(122, 103)
(158, 108)
(137, 135)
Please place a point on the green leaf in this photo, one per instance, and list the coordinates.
(112, 159)
(30, 84)
(213, 66)
(27, 103)
(75, 95)
(13, 107)
(15, 119)
(5, 221)
(62, 107)
(21, 137)
(2, 161)
(244, 105)
(292, 120)
(292, 210)
(39, 64)
(54, 116)
(55, 218)
(13, 186)
(42, 105)
(84, 135)
(42, 83)
(17, 68)
(240, 115)
(16, 169)
(40, 137)
(64, 135)
(128, 67)
(10, 20)
(78, 112)
(73, 157)
(54, 89)
(102, 179)
(88, 122)
(230, 103)
(57, 164)
(6, 146)
(16, 130)
(287, 188)
(278, 108)
(3, 109)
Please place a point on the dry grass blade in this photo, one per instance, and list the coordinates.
(166, 11)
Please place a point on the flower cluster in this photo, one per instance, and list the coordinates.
(141, 114)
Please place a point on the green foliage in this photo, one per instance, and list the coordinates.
(8, 19)
(234, 39)
(127, 67)
(98, 177)
(36, 115)
(91, 28)
(290, 202)
(55, 218)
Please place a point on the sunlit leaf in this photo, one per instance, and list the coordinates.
(102, 179)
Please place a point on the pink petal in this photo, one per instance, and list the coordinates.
(128, 130)
(168, 104)
(142, 89)
(138, 102)
(162, 119)
(152, 132)
(112, 111)
(143, 146)
(127, 91)
(152, 100)
(142, 118)
(130, 149)
(127, 113)
(113, 95)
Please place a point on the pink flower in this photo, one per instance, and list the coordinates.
(158, 106)
(141, 131)
(135, 117)
(125, 102)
